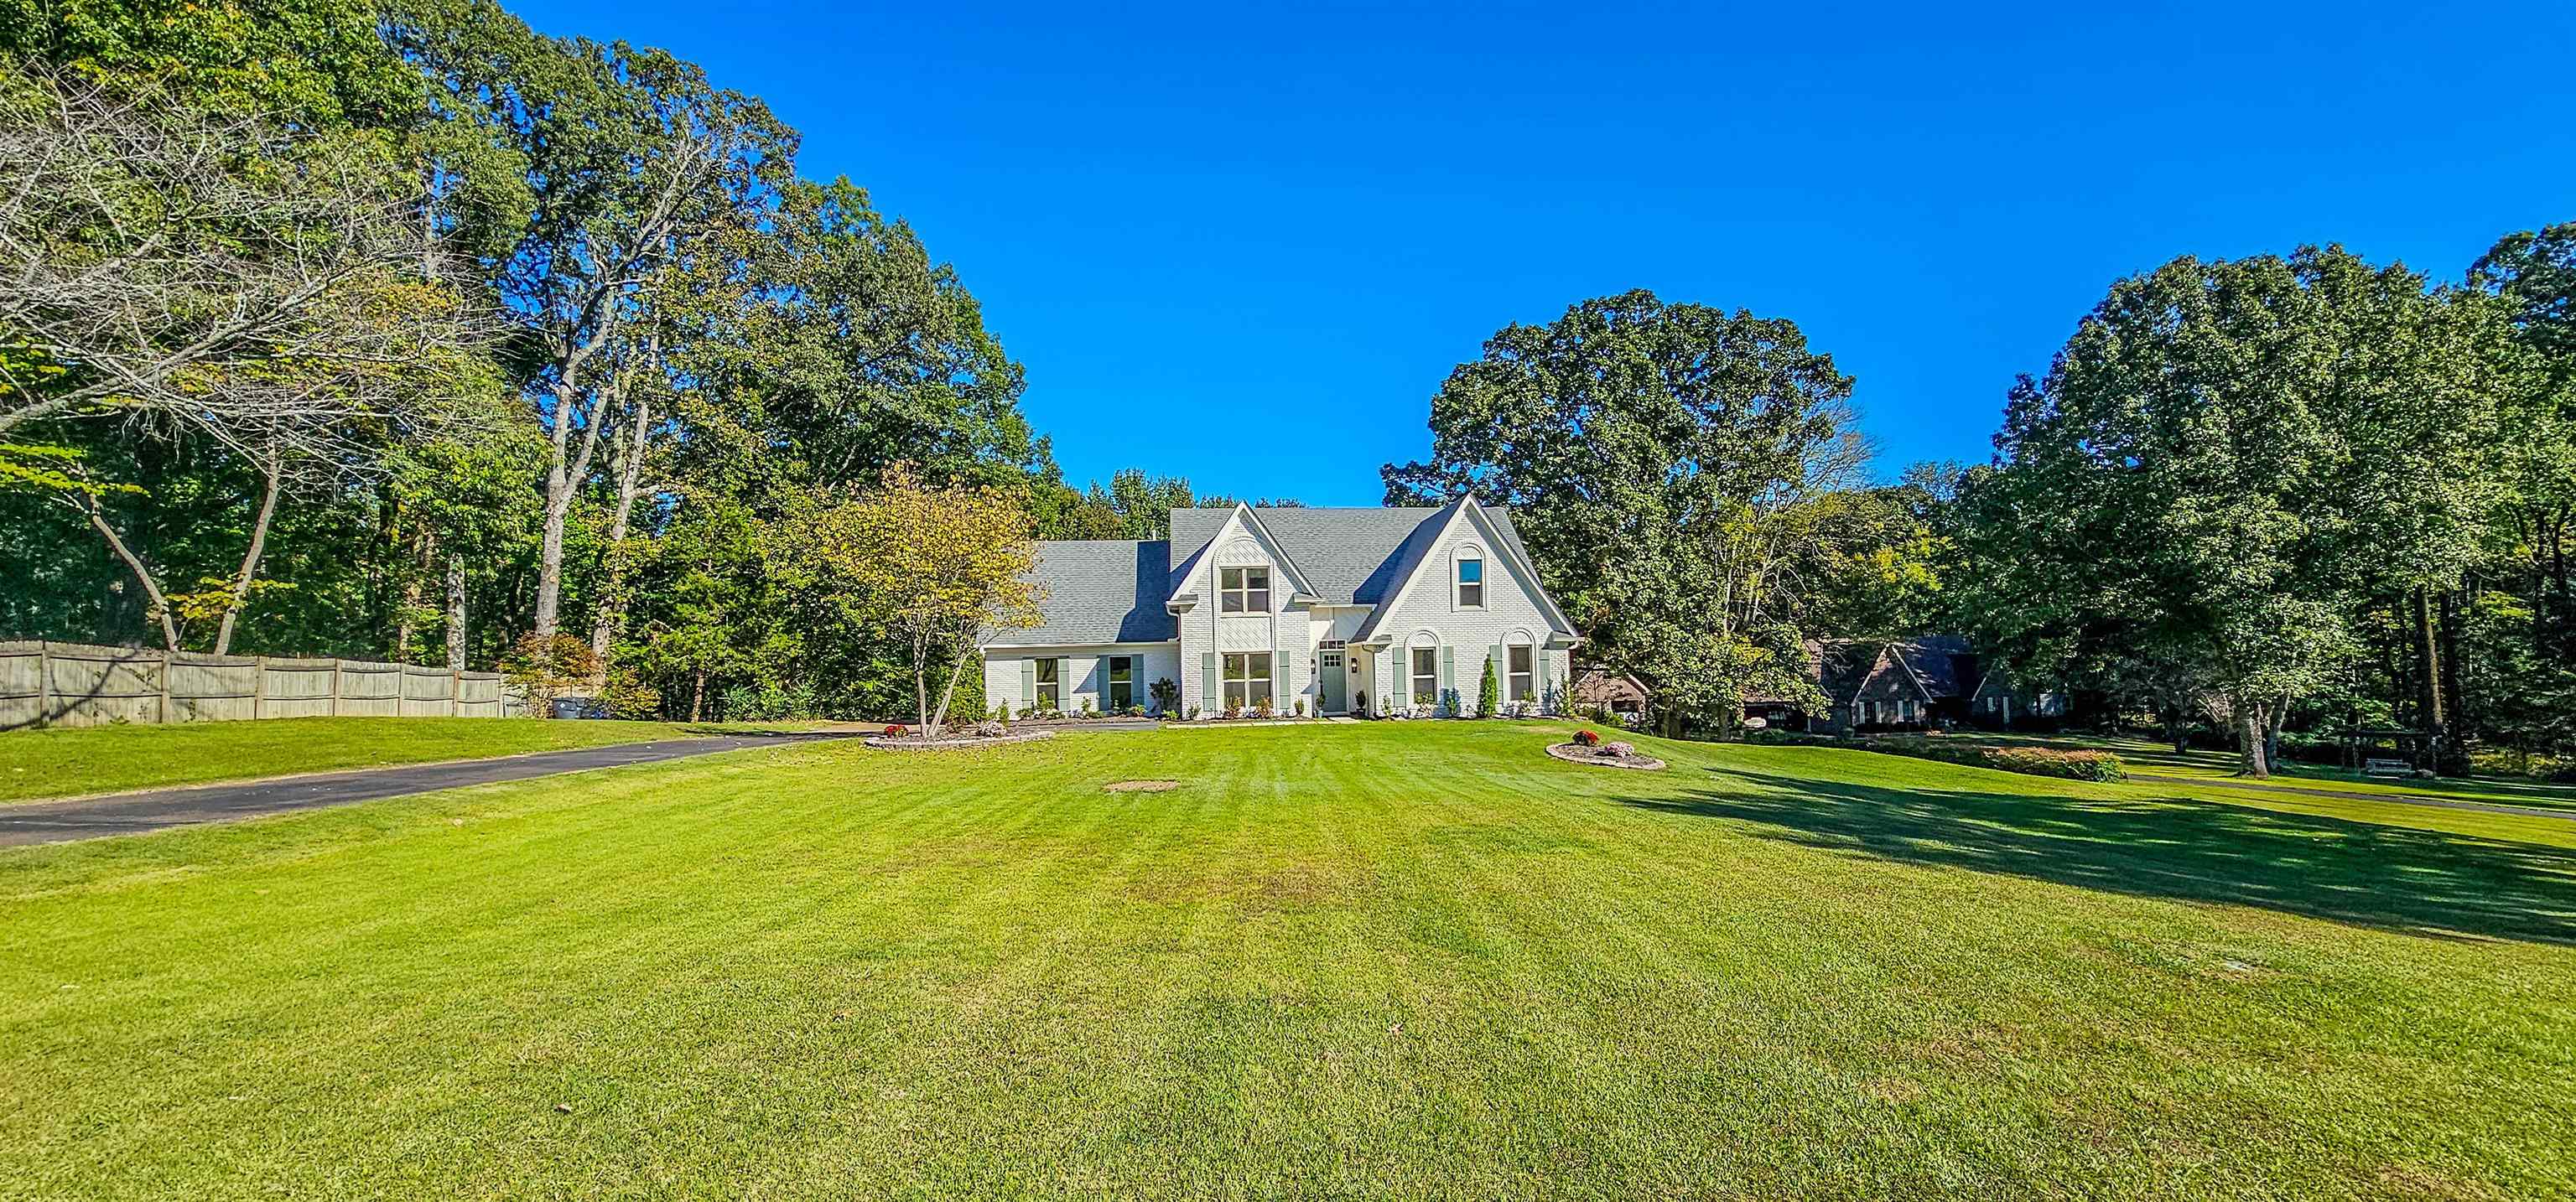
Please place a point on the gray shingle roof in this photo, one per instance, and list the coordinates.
(1352, 556)
(1113, 591)
(1104, 591)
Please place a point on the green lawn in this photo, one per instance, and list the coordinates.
(74, 761)
(2160, 759)
(1394, 958)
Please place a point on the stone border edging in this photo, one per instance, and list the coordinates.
(1576, 753)
(882, 743)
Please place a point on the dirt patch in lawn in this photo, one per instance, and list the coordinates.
(1140, 786)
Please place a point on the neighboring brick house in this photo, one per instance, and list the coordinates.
(1344, 610)
(1904, 684)
(1617, 692)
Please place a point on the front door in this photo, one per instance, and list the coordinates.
(1335, 681)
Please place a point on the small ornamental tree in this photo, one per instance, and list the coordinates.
(1489, 694)
(934, 567)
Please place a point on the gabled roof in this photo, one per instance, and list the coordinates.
(1941, 663)
(1346, 555)
(1600, 686)
(1426, 539)
(1939, 666)
(1116, 590)
(1099, 591)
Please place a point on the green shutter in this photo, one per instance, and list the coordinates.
(1538, 671)
(1448, 671)
(1501, 658)
(1028, 682)
(1211, 693)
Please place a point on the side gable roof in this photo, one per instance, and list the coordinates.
(1114, 591)
(1098, 591)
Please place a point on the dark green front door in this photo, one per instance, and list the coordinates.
(1334, 680)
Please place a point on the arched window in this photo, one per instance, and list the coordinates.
(1470, 574)
(1422, 669)
(1520, 667)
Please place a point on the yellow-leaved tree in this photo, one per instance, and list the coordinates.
(934, 567)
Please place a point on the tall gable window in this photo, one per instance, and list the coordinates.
(1243, 590)
(1471, 581)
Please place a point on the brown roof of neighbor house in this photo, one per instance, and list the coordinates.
(1600, 686)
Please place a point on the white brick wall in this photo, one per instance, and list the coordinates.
(1084, 676)
(1206, 630)
(1511, 613)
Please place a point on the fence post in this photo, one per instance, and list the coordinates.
(44, 682)
(455, 692)
(335, 686)
(165, 687)
(258, 687)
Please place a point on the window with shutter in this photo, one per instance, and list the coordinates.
(1247, 680)
(1050, 685)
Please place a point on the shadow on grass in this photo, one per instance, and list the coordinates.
(2421, 882)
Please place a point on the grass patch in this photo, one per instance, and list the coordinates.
(78, 760)
(2160, 759)
(1415, 959)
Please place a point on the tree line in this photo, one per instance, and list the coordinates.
(2265, 499)
(336, 329)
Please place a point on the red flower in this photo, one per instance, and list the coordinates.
(896, 731)
(1587, 738)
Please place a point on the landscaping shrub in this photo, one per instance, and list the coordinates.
(767, 702)
(1587, 738)
(2099, 766)
(1489, 695)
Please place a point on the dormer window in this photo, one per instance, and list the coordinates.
(1471, 582)
(1243, 590)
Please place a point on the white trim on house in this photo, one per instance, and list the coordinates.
(1490, 539)
(1459, 558)
(1208, 648)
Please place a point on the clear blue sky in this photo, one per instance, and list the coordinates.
(1246, 248)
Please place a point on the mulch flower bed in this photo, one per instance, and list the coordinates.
(1605, 755)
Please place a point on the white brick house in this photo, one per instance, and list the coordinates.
(1343, 610)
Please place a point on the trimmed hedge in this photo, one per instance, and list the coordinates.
(2100, 766)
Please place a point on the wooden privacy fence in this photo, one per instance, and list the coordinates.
(75, 684)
